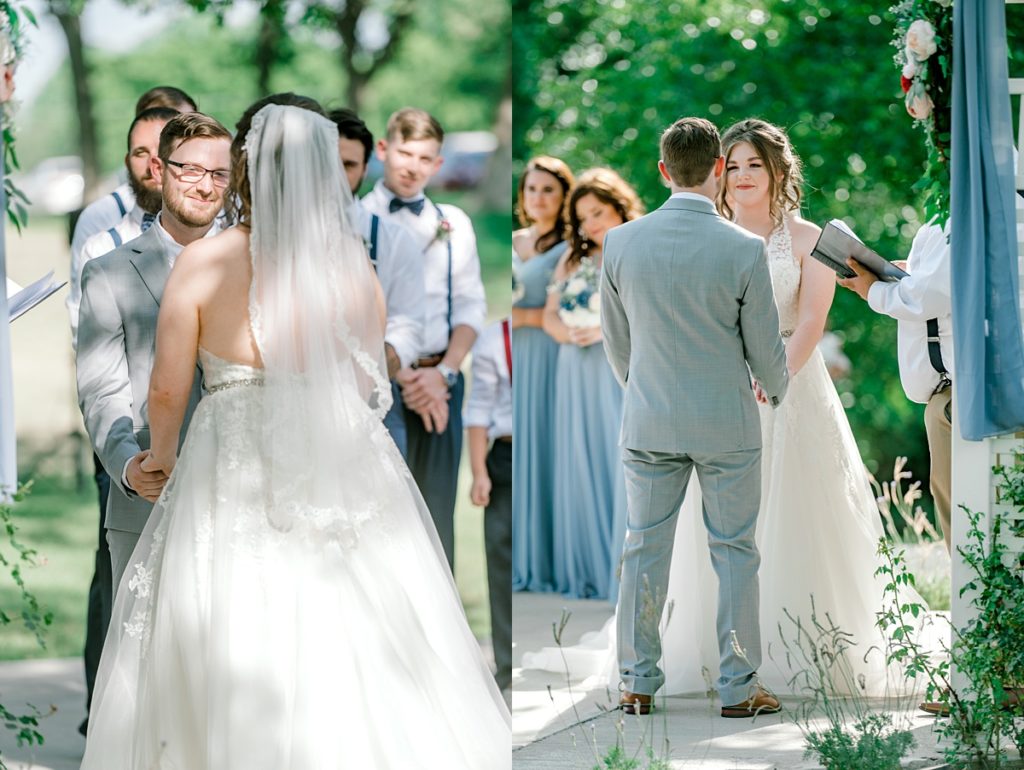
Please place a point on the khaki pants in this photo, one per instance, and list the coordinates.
(940, 447)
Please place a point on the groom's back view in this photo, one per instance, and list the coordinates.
(688, 315)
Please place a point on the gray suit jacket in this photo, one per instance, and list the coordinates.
(686, 306)
(121, 294)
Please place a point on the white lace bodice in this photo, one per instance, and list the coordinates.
(785, 270)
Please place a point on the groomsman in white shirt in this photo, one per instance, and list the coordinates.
(432, 388)
(922, 305)
(398, 263)
(488, 420)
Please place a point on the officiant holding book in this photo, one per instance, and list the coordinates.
(921, 304)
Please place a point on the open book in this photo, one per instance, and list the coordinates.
(21, 300)
(837, 243)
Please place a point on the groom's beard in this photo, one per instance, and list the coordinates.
(147, 199)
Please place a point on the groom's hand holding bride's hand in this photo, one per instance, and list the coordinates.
(759, 394)
(145, 476)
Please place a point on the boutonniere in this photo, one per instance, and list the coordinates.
(442, 234)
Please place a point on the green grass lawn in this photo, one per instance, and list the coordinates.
(60, 523)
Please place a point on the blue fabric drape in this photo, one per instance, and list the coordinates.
(989, 376)
(8, 463)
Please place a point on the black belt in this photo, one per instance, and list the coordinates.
(431, 360)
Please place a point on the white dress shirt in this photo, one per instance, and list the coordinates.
(400, 272)
(128, 227)
(490, 397)
(102, 214)
(689, 196)
(912, 301)
(469, 305)
(172, 249)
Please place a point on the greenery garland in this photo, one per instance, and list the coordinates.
(13, 17)
(924, 42)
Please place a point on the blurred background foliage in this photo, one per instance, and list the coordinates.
(452, 61)
(596, 81)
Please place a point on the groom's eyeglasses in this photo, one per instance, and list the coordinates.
(193, 174)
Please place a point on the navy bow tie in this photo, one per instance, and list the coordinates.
(416, 206)
(147, 220)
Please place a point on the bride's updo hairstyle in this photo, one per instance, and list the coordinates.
(608, 187)
(238, 197)
(785, 177)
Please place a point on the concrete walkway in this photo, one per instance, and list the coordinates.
(547, 735)
(56, 686)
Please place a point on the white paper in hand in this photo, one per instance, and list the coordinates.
(21, 300)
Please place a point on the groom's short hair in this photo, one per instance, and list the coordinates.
(689, 149)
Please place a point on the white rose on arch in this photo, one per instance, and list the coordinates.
(921, 40)
(944, 3)
(919, 103)
(910, 68)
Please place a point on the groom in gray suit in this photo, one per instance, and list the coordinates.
(689, 319)
(121, 294)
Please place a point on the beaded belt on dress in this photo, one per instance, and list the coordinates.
(786, 334)
(236, 384)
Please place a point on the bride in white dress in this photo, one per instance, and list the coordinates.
(288, 605)
(818, 526)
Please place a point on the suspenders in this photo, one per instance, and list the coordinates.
(935, 355)
(448, 243)
(120, 205)
(374, 231)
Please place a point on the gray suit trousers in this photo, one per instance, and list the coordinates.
(655, 486)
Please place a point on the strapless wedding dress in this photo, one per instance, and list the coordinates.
(236, 645)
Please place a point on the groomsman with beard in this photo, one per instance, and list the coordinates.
(432, 388)
(106, 212)
(120, 302)
(398, 264)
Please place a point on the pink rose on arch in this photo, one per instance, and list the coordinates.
(921, 40)
(919, 103)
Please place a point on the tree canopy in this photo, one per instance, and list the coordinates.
(596, 81)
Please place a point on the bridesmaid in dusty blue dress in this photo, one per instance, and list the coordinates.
(590, 499)
(536, 248)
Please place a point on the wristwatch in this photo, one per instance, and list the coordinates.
(450, 375)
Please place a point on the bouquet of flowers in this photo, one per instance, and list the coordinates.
(579, 306)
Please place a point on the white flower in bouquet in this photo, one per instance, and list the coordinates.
(579, 305)
(921, 40)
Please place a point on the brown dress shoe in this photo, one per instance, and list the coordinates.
(935, 708)
(636, 703)
(759, 703)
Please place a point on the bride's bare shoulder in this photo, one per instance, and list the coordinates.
(804, 234)
(226, 247)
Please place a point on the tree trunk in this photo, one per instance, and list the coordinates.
(359, 64)
(70, 23)
(270, 42)
(498, 184)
